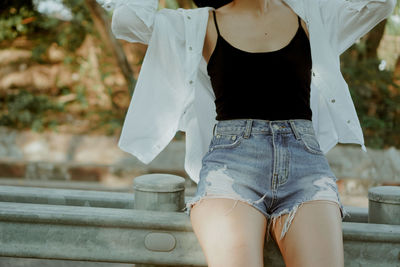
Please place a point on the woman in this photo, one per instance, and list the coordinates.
(258, 147)
(256, 86)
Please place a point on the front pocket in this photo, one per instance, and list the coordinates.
(225, 140)
(311, 143)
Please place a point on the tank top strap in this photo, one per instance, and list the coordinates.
(215, 22)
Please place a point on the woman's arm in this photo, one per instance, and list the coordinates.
(132, 20)
(347, 21)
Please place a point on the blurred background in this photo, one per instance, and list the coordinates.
(66, 84)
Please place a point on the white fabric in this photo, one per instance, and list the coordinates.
(174, 92)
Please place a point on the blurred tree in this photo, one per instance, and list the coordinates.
(14, 17)
(376, 97)
(374, 89)
(20, 18)
(373, 39)
(102, 24)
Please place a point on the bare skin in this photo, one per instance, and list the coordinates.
(247, 28)
(314, 238)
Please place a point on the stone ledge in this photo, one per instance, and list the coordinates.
(105, 174)
(348, 161)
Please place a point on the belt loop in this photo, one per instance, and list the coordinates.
(247, 132)
(293, 126)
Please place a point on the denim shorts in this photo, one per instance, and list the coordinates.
(274, 166)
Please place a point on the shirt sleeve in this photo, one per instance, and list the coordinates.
(132, 20)
(347, 21)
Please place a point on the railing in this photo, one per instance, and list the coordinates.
(127, 228)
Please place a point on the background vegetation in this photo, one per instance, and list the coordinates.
(91, 90)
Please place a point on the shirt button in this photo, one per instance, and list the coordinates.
(333, 100)
(188, 17)
(190, 48)
(190, 81)
(313, 74)
(348, 121)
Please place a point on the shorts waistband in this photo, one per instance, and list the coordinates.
(258, 126)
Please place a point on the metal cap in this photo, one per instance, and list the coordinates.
(385, 194)
(159, 182)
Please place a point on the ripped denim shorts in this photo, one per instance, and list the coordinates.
(275, 166)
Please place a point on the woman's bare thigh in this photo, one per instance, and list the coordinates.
(314, 237)
(229, 237)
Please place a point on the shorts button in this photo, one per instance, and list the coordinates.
(234, 137)
(218, 136)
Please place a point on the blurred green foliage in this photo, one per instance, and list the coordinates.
(26, 110)
(376, 98)
(18, 18)
(11, 22)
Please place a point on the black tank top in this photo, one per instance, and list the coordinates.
(268, 85)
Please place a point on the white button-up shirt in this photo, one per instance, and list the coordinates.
(174, 92)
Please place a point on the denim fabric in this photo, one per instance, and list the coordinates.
(275, 166)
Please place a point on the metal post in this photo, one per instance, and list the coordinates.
(159, 192)
(384, 205)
